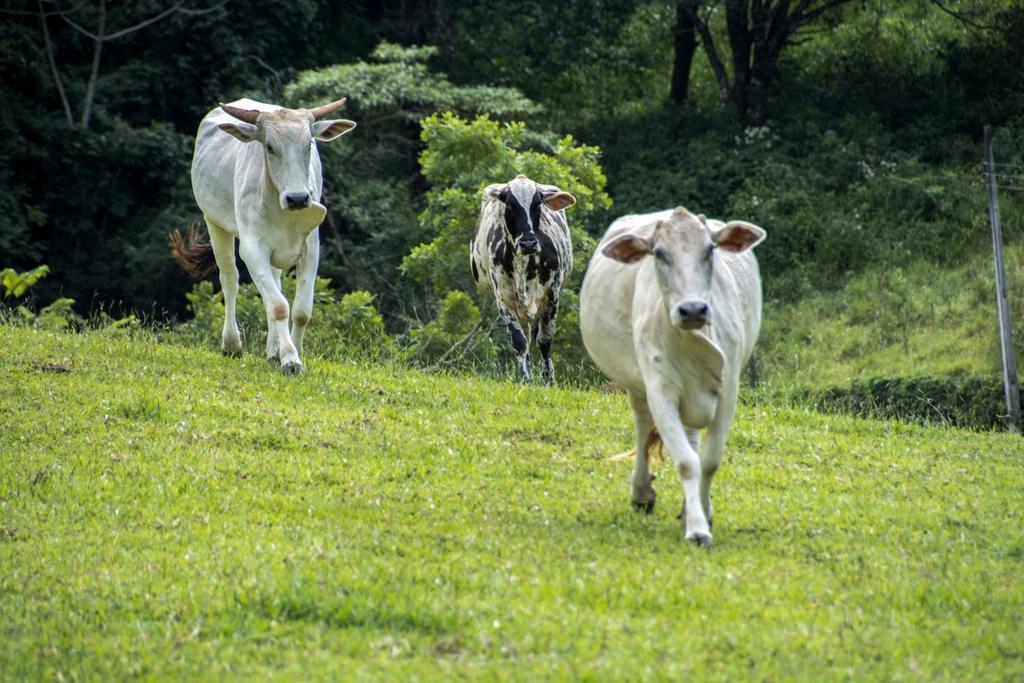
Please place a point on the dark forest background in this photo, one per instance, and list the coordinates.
(849, 129)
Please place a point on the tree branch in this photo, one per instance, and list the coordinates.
(146, 22)
(176, 8)
(813, 14)
(708, 43)
(69, 119)
(959, 16)
(94, 70)
(200, 12)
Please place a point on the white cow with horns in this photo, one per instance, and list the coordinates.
(670, 309)
(256, 176)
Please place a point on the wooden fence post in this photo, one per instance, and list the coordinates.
(1011, 388)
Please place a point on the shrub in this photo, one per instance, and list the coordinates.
(346, 328)
(969, 402)
(455, 339)
(461, 158)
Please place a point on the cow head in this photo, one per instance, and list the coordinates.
(522, 199)
(288, 137)
(684, 248)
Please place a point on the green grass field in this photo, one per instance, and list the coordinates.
(169, 513)
(923, 320)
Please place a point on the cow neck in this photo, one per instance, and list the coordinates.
(693, 352)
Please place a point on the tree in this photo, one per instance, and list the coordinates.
(99, 38)
(758, 31)
(372, 184)
(685, 45)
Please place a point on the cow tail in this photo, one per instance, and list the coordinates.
(194, 254)
(654, 439)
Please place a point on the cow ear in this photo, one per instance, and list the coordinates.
(246, 132)
(331, 129)
(627, 248)
(559, 201)
(739, 236)
(499, 192)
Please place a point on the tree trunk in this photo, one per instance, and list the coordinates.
(740, 43)
(685, 46)
(90, 90)
(707, 41)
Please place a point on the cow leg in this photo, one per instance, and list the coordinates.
(305, 276)
(520, 342)
(643, 491)
(693, 436)
(714, 441)
(267, 280)
(546, 335)
(223, 243)
(273, 342)
(665, 412)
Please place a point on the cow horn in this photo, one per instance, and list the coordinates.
(247, 115)
(327, 109)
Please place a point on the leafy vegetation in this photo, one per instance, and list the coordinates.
(197, 516)
(908, 329)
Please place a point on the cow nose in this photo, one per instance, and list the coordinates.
(297, 200)
(528, 246)
(693, 314)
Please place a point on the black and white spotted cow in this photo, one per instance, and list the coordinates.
(522, 252)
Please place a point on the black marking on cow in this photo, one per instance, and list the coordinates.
(519, 341)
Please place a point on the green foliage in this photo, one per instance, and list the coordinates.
(380, 523)
(461, 158)
(397, 81)
(15, 284)
(372, 189)
(969, 402)
(345, 328)
(60, 316)
(922, 320)
(354, 327)
(917, 343)
(586, 61)
(454, 339)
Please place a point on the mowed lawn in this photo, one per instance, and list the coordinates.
(169, 513)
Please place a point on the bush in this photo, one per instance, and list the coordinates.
(347, 328)
(968, 402)
(454, 340)
(461, 158)
(372, 187)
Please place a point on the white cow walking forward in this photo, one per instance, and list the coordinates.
(256, 176)
(670, 309)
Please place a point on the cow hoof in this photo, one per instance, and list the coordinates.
(644, 507)
(701, 540)
(232, 353)
(292, 368)
(274, 360)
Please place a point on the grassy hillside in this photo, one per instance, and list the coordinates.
(921, 320)
(169, 513)
(925, 321)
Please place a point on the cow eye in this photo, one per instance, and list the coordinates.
(711, 251)
(270, 148)
(660, 254)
